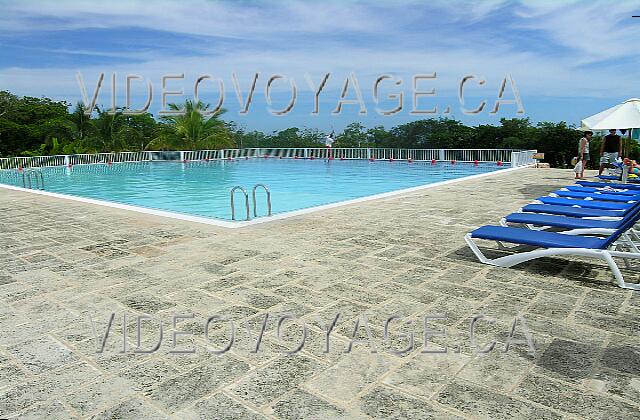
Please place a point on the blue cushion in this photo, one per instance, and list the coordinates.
(570, 211)
(579, 188)
(608, 184)
(596, 196)
(561, 221)
(588, 204)
(538, 238)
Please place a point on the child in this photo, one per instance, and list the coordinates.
(579, 169)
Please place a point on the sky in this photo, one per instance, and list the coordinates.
(565, 60)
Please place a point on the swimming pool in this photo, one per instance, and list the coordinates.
(202, 188)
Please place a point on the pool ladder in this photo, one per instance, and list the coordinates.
(32, 178)
(246, 201)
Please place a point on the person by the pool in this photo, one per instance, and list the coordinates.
(328, 143)
(610, 149)
(329, 139)
(583, 153)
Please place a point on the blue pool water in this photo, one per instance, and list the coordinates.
(202, 188)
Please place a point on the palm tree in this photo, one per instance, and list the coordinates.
(107, 127)
(81, 121)
(192, 129)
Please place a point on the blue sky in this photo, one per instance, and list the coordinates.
(569, 59)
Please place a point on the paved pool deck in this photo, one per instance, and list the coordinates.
(67, 264)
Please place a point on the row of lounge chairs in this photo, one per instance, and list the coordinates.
(588, 219)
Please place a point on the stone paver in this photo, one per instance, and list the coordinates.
(64, 264)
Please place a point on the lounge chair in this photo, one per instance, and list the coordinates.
(598, 196)
(580, 188)
(608, 177)
(574, 211)
(557, 244)
(587, 204)
(575, 225)
(577, 220)
(608, 185)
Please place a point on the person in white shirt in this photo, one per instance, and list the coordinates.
(328, 140)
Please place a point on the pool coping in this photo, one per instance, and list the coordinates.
(260, 220)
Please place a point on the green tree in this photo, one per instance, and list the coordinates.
(7, 102)
(81, 122)
(193, 129)
(310, 137)
(378, 135)
(430, 134)
(558, 141)
(354, 135)
(26, 123)
(487, 136)
(106, 133)
(138, 130)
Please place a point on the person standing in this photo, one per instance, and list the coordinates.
(328, 143)
(329, 139)
(583, 153)
(610, 149)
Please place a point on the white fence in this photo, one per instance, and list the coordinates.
(523, 158)
(508, 156)
(66, 160)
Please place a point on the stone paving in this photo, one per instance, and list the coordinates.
(66, 264)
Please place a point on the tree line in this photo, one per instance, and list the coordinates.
(40, 126)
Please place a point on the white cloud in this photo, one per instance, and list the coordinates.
(594, 31)
(196, 17)
(294, 37)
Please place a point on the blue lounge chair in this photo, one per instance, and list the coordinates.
(555, 244)
(598, 196)
(617, 178)
(580, 188)
(577, 225)
(608, 177)
(608, 185)
(588, 204)
(573, 211)
(576, 220)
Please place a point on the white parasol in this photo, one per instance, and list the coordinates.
(624, 115)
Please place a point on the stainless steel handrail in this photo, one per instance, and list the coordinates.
(266, 189)
(37, 176)
(246, 202)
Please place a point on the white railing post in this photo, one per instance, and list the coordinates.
(441, 155)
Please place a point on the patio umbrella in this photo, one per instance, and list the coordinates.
(622, 116)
